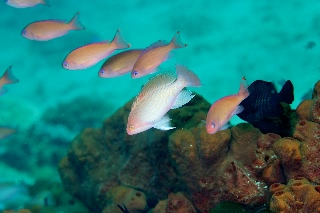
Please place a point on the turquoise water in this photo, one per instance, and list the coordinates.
(226, 40)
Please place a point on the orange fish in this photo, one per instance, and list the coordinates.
(88, 55)
(223, 109)
(25, 3)
(7, 78)
(119, 64)
(6, 132)
(160, 94)
(50, 29)
(154, 55)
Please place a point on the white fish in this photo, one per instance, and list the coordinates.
(160, 94)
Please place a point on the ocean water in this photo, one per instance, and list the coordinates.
(261, 40)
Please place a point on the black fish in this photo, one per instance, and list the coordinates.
(262, 107)
(123, 209)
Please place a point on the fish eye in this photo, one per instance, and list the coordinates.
(24, 32)
(135, 73)
(65, 64)
(213, 124)
(101, 71)
(131, 127)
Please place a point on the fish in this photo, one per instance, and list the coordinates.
(6, 132)
(161, 93)
(7, 78)
(88, 55)
(26, 3)
(119, 64)
(264, 103)
(154, 55)
(224, 109)
(50, 29)
(123, 209)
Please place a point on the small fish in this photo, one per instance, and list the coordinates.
(26, 3)
(6, 132)
(123, 209)
(50, 29)
(154, 55)
(264, 101)
(119, 64)
(88, 55)
(223, 109)
(160, 94)
(7, 78)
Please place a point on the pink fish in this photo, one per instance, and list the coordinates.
(25, 3)
(7, 78)
(154, 55)
(88, 55)
(50, 29)
(223, 109)
(160, 94)
(6, 132)
(119, 64)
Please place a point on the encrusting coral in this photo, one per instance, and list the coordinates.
(298, 196)
(237, 164)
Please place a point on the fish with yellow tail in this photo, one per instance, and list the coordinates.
(26, 3)
(119, 64)
(88, 55)
(223, 109)
(154, 55)
(7, 78)
(49, 29)
(160, 94)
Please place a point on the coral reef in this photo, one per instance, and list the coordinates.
(186, 169)
(298, 196)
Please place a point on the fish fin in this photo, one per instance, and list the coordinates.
(183, 97)
(186, 75)
(162, 79)
(163, 123)
(286, 93)
(75, 23)
(46, 3)
(243, 91)
(226, 126)
(3, 90)
(159, 43)
(176, 41)
(119, 41)
(8, 77)
(237, 110)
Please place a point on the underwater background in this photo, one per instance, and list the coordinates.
(265, 40)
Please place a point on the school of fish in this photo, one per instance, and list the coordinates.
(161, 93)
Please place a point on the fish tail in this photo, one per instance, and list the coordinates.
(119, 41)
(243, 90)
(176, 41)
(188, 77)
(286, 93)
(75, 23)
(46, 2)
(8, 77)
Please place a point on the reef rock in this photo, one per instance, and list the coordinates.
(235, 165)
(298, 196)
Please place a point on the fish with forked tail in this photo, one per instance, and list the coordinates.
(263, 106)
(7, 78)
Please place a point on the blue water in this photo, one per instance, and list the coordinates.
(226, 40)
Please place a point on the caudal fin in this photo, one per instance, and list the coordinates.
(46, 3)
(8, 77)
(189, 78)
(119, 41)
(286, 93)
(176, 41)
(75, 23)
